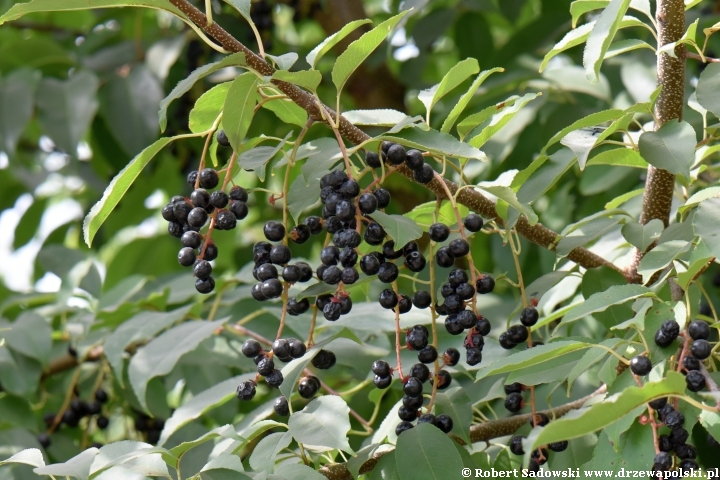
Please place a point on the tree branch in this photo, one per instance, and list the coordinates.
(482, 432)
(472, 199)
(657, 198)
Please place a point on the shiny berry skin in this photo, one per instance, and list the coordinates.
(373, 160)
(197, 217)
(222, 139)
(349, 188)
(297, 347)
(349, 276)
(308, 386)
(265, 366)
(208, 178)
(265, 271)
(679, 436)
(388, 299)
(465, 291)
(506, 342)
(383, 197)
(452, 325)
(482, 326)
(443, 378)
(246, 390)
(274, 231)
(181, 211)
(473, 222)
(274, 379)
(413, 387)
(665, 443)
(529, 316)
(382, 382)
(662, 339)
(428, 418)
(439, 232)
(671, 328)
(663, 460)
(701, 349)
(374, 234)
(271, 288)
(324, 360)
(414, 159)
(238, 193)
(408, 414)
(421, 299)
(239, 209)
(466, 319)
(331, 275)
(281, 347)
(658, 403)
(200, 198)
(225, 220)
(699, 330)
(345, 210)
(281, 407)
(428, 354)
(685, 451)
(191, 239)
(513, 388)
(415, 262)
(416, 338)
(691, 363)
(459, 247)
(332, 311)
(101, 395)
(389, 252)
(205, 285)
(167, 213)
(412, 403)
(402, 427)
(424, 174)
(396, 154)
(369, 264)
(314, 223)
(451, 356)
(485, 284)
(640, 365)
(444, 258)
(517, 334)
(420, 371)
(300, 233)
(444, 423)
(514, 402)
(368, 203)
(688, 464)
(516, 446)
(473, 356)
(251, 348)
(381, 368)
(674, 419)
(348, 257)
(388, 272)
(186, 256)
(695, 381)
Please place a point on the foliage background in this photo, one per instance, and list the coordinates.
(79, 94)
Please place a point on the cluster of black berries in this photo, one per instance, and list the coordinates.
(517, 334)
(150, 427)
(187, 216)
(77, 410)
(395, 154)
(700, 349)
(540, 455)
(514, 400)
(675, 441)
(667, 333)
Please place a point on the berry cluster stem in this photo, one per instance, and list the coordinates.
(398, 346)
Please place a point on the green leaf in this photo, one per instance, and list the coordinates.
(159, 357)
(239, 108)
(29, 456)
(308, 79)
(588, 420)
(586, 230)
(66, 108)
(30, 334)
(661, 256)
(118, 187)
(533, 356)
(641, 236)
(208, 107)
(323, 47)
(592, 120)
(294, 369)
(264, 454)
(17, 94)
(465, 99)
(698, 197)
(206, 400)
(426, 453)
(78, 466)
(711, 422)
(672, 147)
(457, 74)
(599, 302)
(590, 358)
(553, 370)
(137, 456)
(243, 8)
(500, 119)
(236, 59)
(619, 157)
(400, 228)
(301, 196)
(20, 9)
(540, 176)
(323, 424)
(580, 7)
(287, 111)
(378, 117)
(256, 159)
(507, 195)
(360, 49)
(129, 105)
(622, 199)
(322, 154)
(708, 86)
(423, 214)
(706, 224)
(455, 403)
(601, 36)
(435, 142)
(142, 327)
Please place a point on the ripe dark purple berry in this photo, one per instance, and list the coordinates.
(459, 247)
(424, 174)
(396, 154)
(382, 382)
(324, 359)
(695, 381)
(44, 440)
(514, 402)
(699, 330)
(415, 262)
(271, 288)
(225, 220)
(308, 386)
(388, 299)
(402, 427)
(421, 299)
(451, 357)
(485, 284)
(414, 159)
(428, 354)
(373, 160)
(640, 365)
(413, 387)
(691, 363)
(274, 231)
(439, 232)
(300, 233)
(701, 349)
(388, 272)
(473, 222)
(444, 423)
(404, 303)
(200, 198)
(209, 178)
(516, 446)
(246, 390)
(197, 217)
(383, 197)
(205, 285)
(332, 311)
(186, 256)
(281, 407)
(444, 258)
(529, 316)
(238, 193)
(202, 269)
(443, 378)
(483, 326)
(368, 203)
(274, 379)
(251, 348)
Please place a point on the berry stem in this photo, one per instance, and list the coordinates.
(208, 235)
(397, 334)
(286, 287)
(433, 313)
(205, 149)
(328, 117)
(516, 259)
(310, 341)
(68, 397)
(651, 414)
(228, 171)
